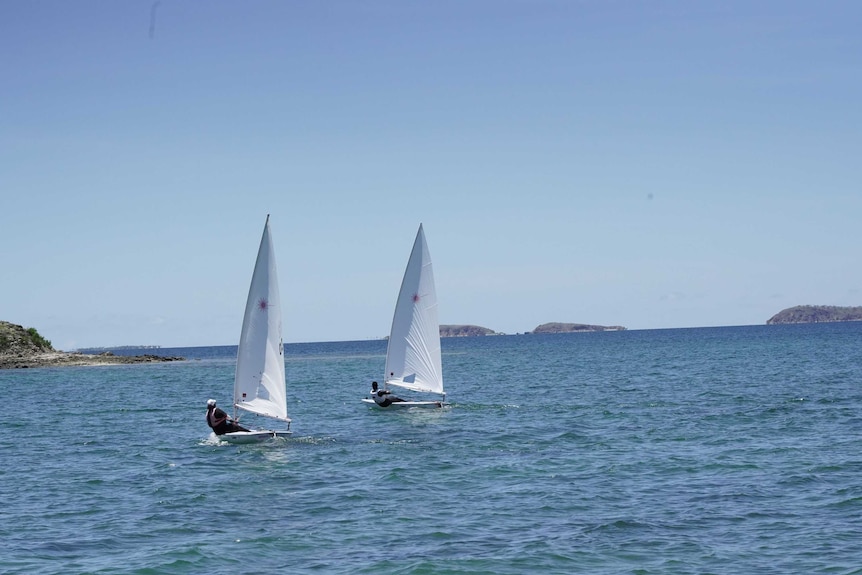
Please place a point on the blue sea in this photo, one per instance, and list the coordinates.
(734, 450)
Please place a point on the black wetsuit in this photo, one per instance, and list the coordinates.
(380, 397)
(221, 423)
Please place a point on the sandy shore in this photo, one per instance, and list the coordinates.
(63, 359)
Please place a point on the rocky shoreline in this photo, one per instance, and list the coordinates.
(24, 348)
(65, 359)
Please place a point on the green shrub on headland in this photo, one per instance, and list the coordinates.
(37, 339)
(14, 339)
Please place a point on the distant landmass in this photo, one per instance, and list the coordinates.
(115, 348)
(574, 327)
(816, 314)
(465, 331)
(23, 348)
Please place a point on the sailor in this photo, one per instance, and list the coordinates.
(219, 421)
(380, 396)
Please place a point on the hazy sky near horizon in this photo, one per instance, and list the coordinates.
(648, 164)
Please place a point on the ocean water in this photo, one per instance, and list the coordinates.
(714, 450)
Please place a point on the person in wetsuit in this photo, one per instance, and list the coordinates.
(381, 396)
(219, 421)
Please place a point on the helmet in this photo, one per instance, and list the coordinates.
(211, 403)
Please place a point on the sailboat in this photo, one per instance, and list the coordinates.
(259, 382)
(413, 359)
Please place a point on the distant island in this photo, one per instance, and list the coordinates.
(816, 314)
(24, 348)
(574, 327)
(465, 331)
(115, 348)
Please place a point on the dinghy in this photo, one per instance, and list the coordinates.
(259, 382)
(413, 359)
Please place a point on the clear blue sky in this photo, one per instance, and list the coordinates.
(649, 164)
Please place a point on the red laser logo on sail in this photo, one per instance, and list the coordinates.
(415, 297)
(262, 304)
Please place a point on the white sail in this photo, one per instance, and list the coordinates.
(259, 384)
(413, 355)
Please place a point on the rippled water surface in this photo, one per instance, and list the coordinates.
(715, 450)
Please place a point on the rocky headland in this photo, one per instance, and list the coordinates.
(556, 327)
(25, 348)
(816, 314)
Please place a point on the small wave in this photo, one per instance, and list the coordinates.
(311, 440)
(211, 440)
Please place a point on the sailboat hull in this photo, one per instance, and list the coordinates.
(254, 436)
(405, 404)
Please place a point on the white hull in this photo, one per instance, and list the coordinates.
(405, 404)
(255, 436)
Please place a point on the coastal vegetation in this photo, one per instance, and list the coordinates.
(38, 340)
(816, 314)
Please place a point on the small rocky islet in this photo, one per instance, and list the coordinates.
(556, 327)
(465, 331)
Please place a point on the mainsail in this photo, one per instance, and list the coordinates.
(413, 356)
(259, 383)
